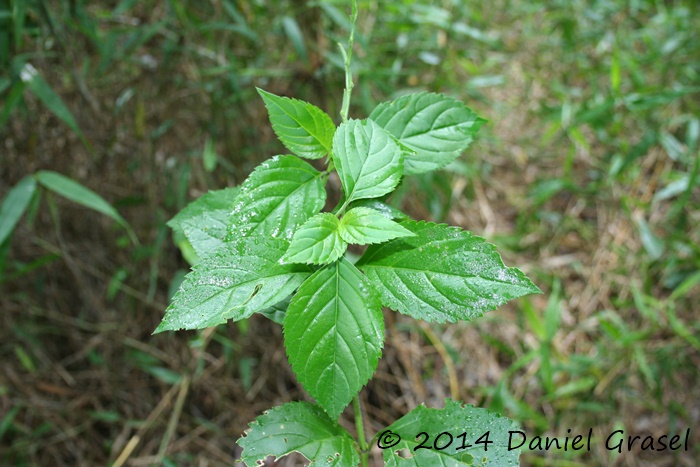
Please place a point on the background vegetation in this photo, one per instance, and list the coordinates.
(586, 177)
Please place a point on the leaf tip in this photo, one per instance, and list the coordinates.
(163, 326)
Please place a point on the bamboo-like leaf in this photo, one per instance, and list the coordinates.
(14, 205)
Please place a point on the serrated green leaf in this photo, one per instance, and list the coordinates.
(14, 205)
(438, 128)
(456, 436)
(363, 226)
(384, 209)
(303, 128)
(318, 241)
(205, 221)
(238, 279)
(280, 195)
(442, 274)
(368, 160)
(298, 427)
(334, 334)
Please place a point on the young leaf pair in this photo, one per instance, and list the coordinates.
(323, 238)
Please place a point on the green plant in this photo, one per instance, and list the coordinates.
(25, 196)
(266, 248)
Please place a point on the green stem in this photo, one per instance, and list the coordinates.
(347, 58)
(341, 211)
(364, 448)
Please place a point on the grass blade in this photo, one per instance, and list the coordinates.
(41, 89)
(76, 192)
(14, 205)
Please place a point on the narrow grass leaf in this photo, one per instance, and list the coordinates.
(209, 156)
(303, 128)
(18, 16)
(7, 419)
(438, 128)
(12, 99)
(14, 205)
(74, 191)
(442, 274)
(293, 32)
(334, 334)
(653, 245)
(318, 241)
(552, 313)
(41, 89)
(298, 427)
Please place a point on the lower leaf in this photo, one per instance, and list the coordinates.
(298, 427)
(457, 436)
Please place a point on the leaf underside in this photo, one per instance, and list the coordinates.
(298, 427)
(454, 420)
(205, 220)
(277, 311)
(234, 282)
(334, 333)
(435, 127)
(441, 274)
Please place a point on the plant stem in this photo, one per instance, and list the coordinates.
(341, 211)
(347, 58)
(364, 448)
